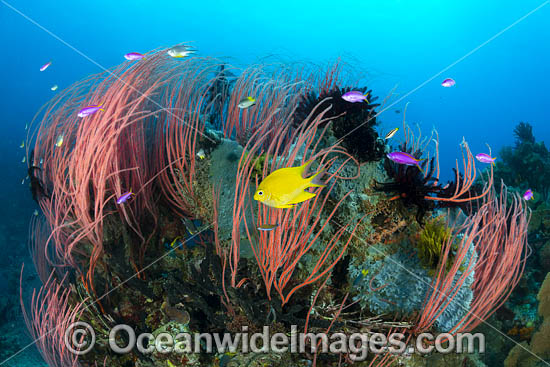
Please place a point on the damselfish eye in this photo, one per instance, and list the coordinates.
(260, 193)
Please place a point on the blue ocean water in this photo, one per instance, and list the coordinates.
(390, 43)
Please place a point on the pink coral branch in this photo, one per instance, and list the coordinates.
(278, 253)
(51, 315)
(498, 232)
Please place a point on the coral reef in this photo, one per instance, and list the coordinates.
(532, 353)
(431, 240)
(193, 252)
(525, 165)
(390, 289)
(419, 186)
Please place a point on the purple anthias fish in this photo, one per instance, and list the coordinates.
(528, 195)
(124, 197)
(90, 110)
(45, 66)
(355, 96)
(448, 83)
(485, 158)
(404, 158)
(133, 56)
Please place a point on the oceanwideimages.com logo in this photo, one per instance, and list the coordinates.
(80, 339)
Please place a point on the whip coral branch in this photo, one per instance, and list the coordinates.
(39, 231)
(104, 155)
(276, 94)
(498, 232)
(464, 182)
(420, 185)
(278, 252)
(51, 315)
(179, 132)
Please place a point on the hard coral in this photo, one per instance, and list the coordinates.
(354, 122)
(387, 288)
(523, 333)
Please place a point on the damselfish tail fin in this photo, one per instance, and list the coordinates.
(317, 179)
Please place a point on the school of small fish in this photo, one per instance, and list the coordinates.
(285, 187)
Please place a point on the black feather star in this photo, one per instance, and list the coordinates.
(37, 188)
(352, 122)
(413, 186)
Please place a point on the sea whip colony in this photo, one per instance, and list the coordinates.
(184, 250)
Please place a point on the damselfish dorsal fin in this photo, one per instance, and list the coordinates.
(299, 170)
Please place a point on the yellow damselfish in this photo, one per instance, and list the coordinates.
(285, 187)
